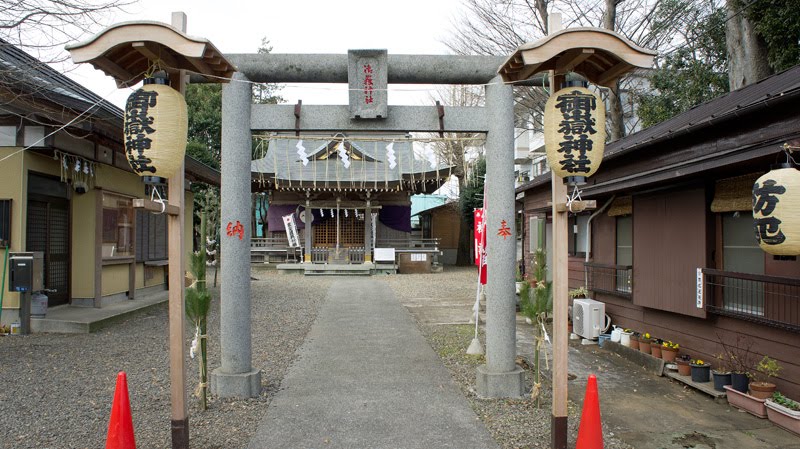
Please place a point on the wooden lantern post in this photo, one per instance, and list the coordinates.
(601, 57)
(126, 52)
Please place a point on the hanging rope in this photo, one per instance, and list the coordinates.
(575, 196)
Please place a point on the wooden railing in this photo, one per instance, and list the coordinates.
(610, 279)
(769, 300)
(268, 249)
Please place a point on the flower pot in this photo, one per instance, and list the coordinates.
(783, 416)
(683, 367)
(518, 286)
(668, 354)
(701, 373)
(616, 335)
(762, 390)
(625, 339)
(603, 339)
(720, 380)
(655, 350)
(634, 343)
(744, 401)
(740, 382)
(644, 346)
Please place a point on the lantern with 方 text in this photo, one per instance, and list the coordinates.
(776, 200)
(574, 133)
(155, 128)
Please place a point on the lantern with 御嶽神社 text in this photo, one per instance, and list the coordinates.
(574, 133)
(155, 128)
(776, 202)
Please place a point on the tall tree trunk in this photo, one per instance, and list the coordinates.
(747, 51)
(463, 258)
(614, 115)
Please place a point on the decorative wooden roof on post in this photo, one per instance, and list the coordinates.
(602, 57)
(127, 52)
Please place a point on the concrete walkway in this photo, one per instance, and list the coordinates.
(367, 378)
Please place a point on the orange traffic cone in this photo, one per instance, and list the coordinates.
(120, 426)
(590, 432)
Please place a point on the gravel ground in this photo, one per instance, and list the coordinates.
(516, 423)
(56, 390)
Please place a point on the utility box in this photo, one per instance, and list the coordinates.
(26, 272)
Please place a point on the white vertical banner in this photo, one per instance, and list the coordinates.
(700, 285)
(291, 231)
(374, 229)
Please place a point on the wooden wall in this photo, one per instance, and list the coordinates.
(669, 243)
(672, 237)
(445, 225)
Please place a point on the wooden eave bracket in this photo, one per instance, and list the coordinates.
(156, 207)
(577, 206)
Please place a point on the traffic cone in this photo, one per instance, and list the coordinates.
(590, 432)
(120, 426)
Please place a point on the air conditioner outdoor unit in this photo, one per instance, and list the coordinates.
(588, 317)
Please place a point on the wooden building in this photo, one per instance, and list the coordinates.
(674, 203)
(443, 223)
(345, 195)
(66, 190)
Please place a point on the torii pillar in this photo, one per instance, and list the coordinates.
(236, 377)
(601, 57)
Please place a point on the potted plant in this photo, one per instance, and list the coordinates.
(644, 342)
(625, 337)
(684, 369)
(519, 280)
(655, 347)
(669, 351)
(784, 412)
(579, 292)
(721, 375)
(754, 406)
(700, 371)
(741, 359)
(766, 369)
(635, 341)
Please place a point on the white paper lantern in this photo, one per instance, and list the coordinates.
(574, 133)
(155, 129)
(776, 202)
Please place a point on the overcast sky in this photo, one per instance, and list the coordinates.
(301, 26)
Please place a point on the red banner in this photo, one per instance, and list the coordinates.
(479, 234)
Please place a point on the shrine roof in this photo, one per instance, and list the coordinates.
(367, 161)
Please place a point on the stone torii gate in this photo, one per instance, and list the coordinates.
(499, 377)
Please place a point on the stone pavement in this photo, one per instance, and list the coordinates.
(367, 378)
(642, 409)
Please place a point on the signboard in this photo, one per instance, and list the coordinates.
(700, 282)
(384, 254)
(415, 257)
(368, 79)
(291, 231)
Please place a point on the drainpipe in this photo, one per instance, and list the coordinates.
(589, 237)
(3, 287)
